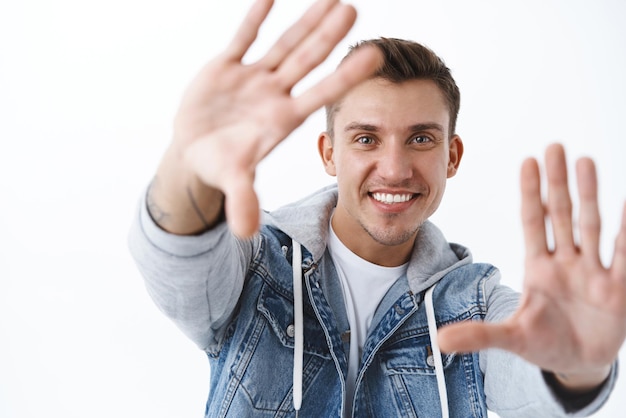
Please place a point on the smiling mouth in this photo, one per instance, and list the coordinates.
(391, 198)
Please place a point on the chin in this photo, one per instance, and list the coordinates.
(390, 237)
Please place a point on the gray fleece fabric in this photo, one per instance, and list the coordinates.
(183, 275)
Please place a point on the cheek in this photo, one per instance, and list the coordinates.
(435, 173)
(349, 174)
(344, 167)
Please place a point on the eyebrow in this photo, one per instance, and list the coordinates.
(427, 126)
(357, 126)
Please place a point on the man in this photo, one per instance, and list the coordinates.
(342, 304)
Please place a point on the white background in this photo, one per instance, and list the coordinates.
(88, 90)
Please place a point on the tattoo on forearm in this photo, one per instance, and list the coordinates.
(156, 212)
(196, 208)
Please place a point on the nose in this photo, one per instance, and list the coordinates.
(394, 163)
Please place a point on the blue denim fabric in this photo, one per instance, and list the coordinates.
(251, 371)
(233, 299)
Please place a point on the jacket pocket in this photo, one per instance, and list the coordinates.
(277, 309)
(263, 370)
(412, 356)
(410, 380)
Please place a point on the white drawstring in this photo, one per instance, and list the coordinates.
(432, 330)
(298, 346)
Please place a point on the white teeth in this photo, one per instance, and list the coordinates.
(391, 198)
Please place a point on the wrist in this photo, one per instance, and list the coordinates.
(179, 202)
(582, 382)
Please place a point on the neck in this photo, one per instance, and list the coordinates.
(366, 247)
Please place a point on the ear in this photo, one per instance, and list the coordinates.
(325, 148)
(455, 154)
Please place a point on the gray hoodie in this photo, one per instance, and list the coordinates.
(198, 281)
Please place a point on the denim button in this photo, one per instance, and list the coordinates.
(430, 360)
(291, 330)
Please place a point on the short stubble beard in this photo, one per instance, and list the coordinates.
(387, 237)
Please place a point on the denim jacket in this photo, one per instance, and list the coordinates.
(234, 299)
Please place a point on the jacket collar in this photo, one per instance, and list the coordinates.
(307, 220)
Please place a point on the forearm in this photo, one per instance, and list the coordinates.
(195, 280)
(179, 202)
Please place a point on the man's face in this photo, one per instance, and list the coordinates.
(391, 155)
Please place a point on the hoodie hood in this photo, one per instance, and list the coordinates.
(306, 221)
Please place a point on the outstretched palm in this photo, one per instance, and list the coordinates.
(572, 315)
(234, 114)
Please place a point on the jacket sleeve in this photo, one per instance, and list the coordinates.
(195, 280)
(515, 388)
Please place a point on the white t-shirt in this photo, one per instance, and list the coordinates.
(364, 285)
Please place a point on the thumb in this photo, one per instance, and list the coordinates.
(242, 205)
(468, 337)
(219, 166)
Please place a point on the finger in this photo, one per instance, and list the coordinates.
(618, 266)
(559, 201)
(469, 337)
(357, 67)
(248, 29)
(533, 211)
(317, 46)
(589, 217)
(309, 21)
(242, 206)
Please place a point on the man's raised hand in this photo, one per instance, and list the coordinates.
(572, 315)
(233, 114)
